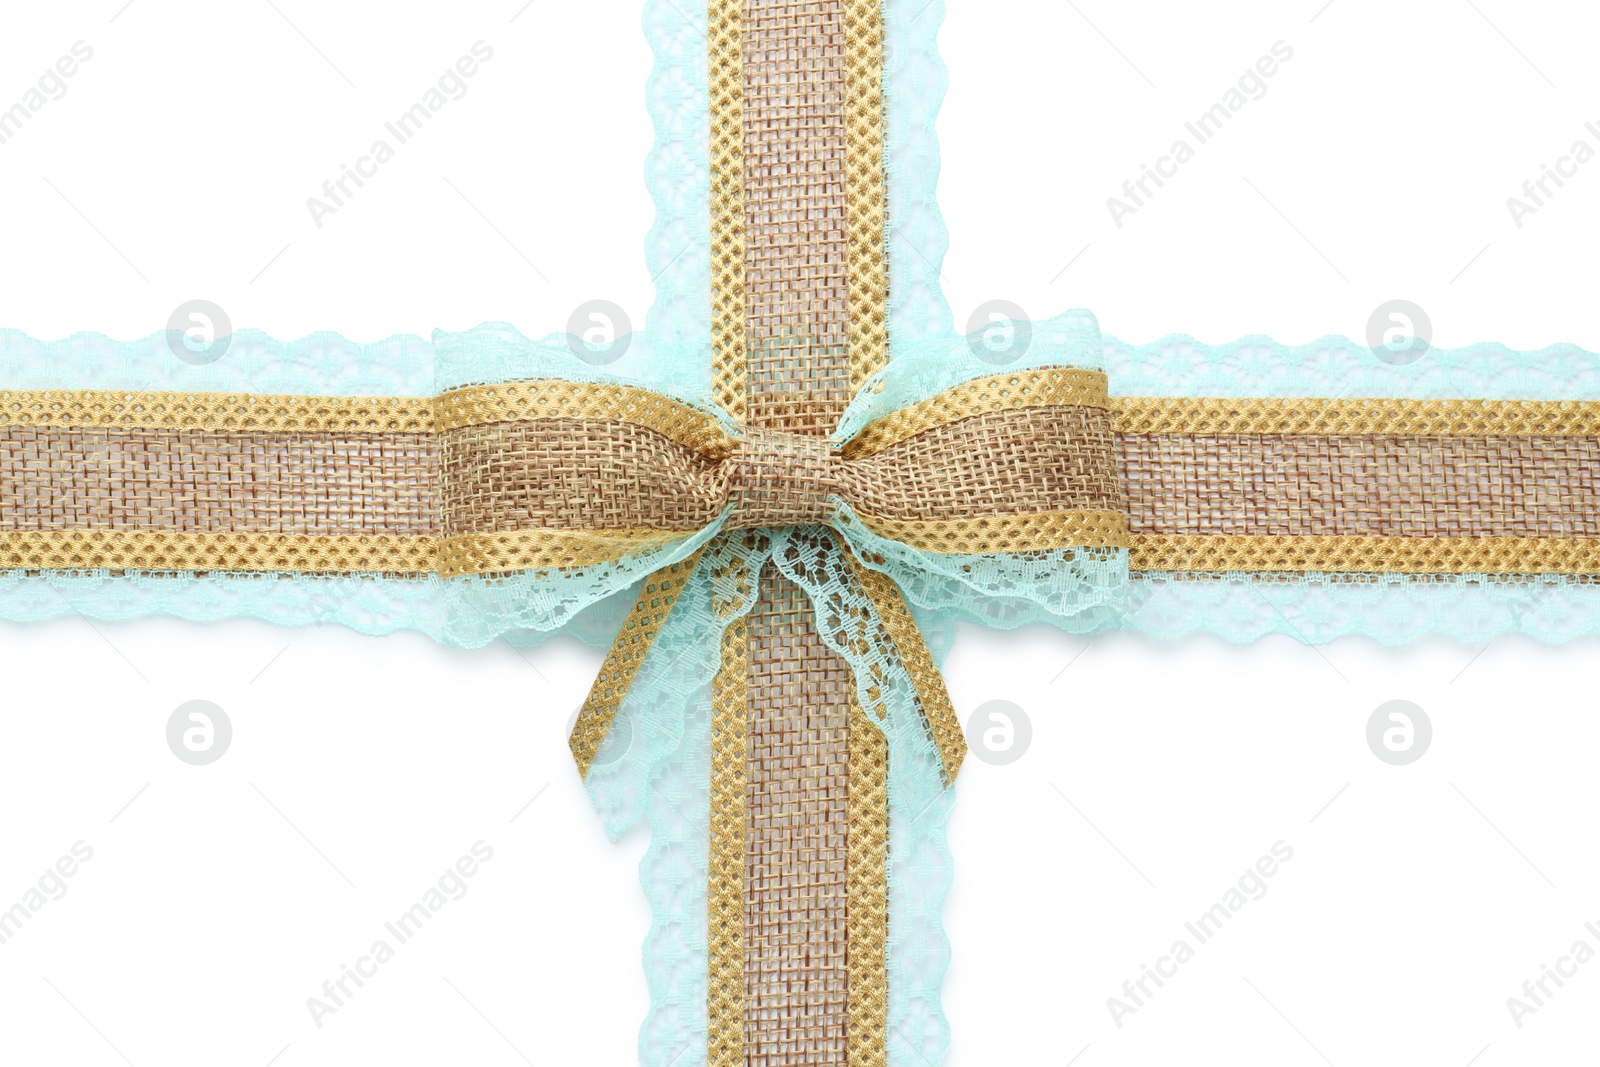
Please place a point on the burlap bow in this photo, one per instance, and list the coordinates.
(1013, 463)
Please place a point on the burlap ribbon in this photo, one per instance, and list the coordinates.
(797, 893)
(1017, 463)
(1014, 463)
(542, 477)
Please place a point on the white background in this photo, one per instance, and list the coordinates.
(219, 898)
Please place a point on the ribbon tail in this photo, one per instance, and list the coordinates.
(797, 894)
(939, 714)
(633, 643)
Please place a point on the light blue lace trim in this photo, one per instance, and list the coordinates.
(1390, 609)
(654, 767)
(915, 81)
(1080, 590)
(678, 172)
(1339, 367)
(366, 604)
(323, 364)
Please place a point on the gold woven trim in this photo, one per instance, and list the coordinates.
(267, 413)
(1045, 387)
(1374, 555)
(725, 988)
(1476, 418)
(867, 886)
(281, 413)
(134, 550)
(725, 42)
(866, 192)
(515, 401)
(546, 399)
(633, 643)
(139, 550)
(903, 630)
(544, 549)
(989, 534)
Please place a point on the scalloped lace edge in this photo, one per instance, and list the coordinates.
(1178, 365)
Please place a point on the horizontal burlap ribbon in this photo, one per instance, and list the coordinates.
(542, 475)
(535, 475)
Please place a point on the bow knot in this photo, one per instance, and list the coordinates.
(778, 479)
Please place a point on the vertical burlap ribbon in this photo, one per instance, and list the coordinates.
(797, 893)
